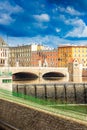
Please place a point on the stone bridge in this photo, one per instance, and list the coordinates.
(35, 72)
(40, 71)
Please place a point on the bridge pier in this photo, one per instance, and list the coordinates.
(75, 71)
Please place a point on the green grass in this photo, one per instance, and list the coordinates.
(55, 104)
(36, 100)
(69, 110)
(76, 108)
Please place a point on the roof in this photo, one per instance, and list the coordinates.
(73, 60)
(74, 46)
(2, 42)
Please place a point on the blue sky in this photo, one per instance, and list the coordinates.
(48, 22)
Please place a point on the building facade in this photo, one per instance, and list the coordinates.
(25, 55)
(68, 53)
(4, 51)
(45, 58)
(20, 56)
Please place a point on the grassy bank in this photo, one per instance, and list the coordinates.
(71, 110)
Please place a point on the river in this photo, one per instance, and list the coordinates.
(59, 80)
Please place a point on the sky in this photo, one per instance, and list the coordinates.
(47, 22)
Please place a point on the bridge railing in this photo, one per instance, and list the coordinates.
(39, 67)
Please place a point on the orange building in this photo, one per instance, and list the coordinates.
(68, 53)
(45, 58)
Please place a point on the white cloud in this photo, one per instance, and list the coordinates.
(79, 28)
(58, 30)
(62, 17)
(40, 25)
(6, 9)
(5, 19)
(42, 17)
(51, 41)
(70, 10)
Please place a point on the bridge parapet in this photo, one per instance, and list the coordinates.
(39, 71)
(36, 70)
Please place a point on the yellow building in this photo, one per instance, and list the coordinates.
(68, 53)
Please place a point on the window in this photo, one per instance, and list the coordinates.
(82, 50)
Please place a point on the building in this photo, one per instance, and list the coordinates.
(67, 53)
(45, 58)
(20, 55)
(24, 55)
(4, 51)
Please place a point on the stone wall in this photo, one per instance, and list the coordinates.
(65, 92)
(28, 118)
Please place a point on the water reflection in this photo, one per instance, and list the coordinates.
(58, 80)
(42, 81)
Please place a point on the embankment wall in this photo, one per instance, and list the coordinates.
(28, 118)
(64, 92)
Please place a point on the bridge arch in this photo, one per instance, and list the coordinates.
(53, 75)
(24, 76)
(39, 72)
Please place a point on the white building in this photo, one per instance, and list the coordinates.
(4, 51)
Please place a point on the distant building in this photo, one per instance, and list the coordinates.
(45, 58)
(4, 52)
(20, 56)
(23, 55)
(67, 53)
(38, 47)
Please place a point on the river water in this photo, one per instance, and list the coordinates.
(59, 80)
